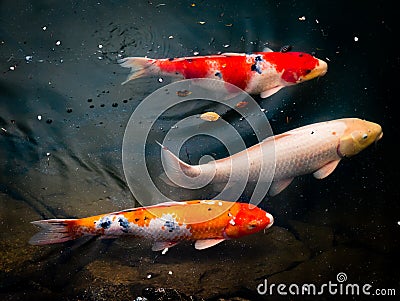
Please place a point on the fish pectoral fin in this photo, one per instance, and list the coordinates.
(202, 244)
(278, 186)
(269, 92)
(326, 170)
(161, 245)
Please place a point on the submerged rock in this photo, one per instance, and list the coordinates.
(317, 238)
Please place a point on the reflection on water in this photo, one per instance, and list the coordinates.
(63, 115)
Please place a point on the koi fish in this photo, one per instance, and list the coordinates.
(207, 222)
(316, 148)
(263, 73)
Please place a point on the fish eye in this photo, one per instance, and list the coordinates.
(251, 226)
(365, 136)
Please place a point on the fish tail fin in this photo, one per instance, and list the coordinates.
(53, 231)
(175, 167)
(140, 66)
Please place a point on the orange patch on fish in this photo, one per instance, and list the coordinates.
(242, 104)
(210, 116)
(183, 93)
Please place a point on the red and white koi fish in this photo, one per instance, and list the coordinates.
(316, 148)
(263, 73)
(208, 222)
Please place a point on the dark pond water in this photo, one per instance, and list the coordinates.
(63, 114)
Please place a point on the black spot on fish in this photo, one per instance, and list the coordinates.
(209, 209)
(105, 224)
(308, 71)
(256, 68)
(123, 222)
(218, 74)
(300, 55)
(189, 60)
(171, 59)
(286, 48)
(136, 219)
(171, 226)
(258, 58)
(312, 132)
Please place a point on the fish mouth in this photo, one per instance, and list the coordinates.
(271, 220)
(379, 137)
(377, 130)
(322, 67)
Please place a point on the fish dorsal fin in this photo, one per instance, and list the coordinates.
(161, 245)
(326, 170)
(163, 204)
(269, 92)
(232, 54)
(267, 49)
(202, 244)
(278, 186)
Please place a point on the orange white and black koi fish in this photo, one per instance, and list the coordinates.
(208, 222)
(263, 73)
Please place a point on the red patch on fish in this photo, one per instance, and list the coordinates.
(228, 68)
(292, 64)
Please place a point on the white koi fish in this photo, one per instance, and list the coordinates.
(316, 148)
